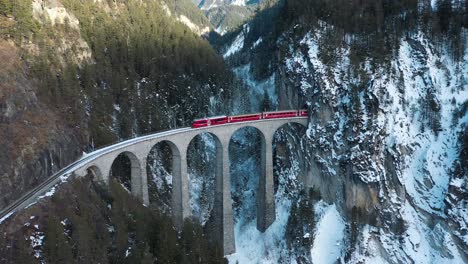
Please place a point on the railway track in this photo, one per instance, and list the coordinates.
(30, 196)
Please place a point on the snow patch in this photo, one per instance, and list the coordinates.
(329, 237)
(195, 28)
(166, 9)
(236, 45)
(256, 43)
(6, 217)
(238, 2)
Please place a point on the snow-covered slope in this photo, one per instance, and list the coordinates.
(227, 15)
(209, 4)
(387, 143)
(400, 135)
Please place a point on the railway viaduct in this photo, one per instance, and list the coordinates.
(99, 164)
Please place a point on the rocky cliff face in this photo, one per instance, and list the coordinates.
(35, 141)
(386, 138)
(389, 145)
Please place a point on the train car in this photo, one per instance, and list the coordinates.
(302, 112)
(200, 123)
(218, 120)
(211, 121)
(243, 118)
(279, 114)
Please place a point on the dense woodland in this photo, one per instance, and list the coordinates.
(85, 223)
(147, 71)
(373, 29)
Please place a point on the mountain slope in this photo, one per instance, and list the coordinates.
(386, 88)
(227, 15)
(93, 73)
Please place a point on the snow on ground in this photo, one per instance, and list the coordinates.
(426, 172)
(328, 244)
(201, 187)
(257, 88)
(48, 193)
(201, 209)
(213, 4)
(427, 156)
(236, 45)
(195, 28)
(252, 246)
(420, 243)
(161, 178)
(220, 30)
(56, 13)
(37, 242)
(239, 2)
(298, 63)
(256, 43)
(238, 42)
(6, 217)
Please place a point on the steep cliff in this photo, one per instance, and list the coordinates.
(34, 138)
(386, 88)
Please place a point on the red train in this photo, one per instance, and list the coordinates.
(219, 120)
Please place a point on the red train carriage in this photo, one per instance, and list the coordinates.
(243, 118)
(212, 121)
(302, 112)
(219, 120)
(200, 123)
(279, 114)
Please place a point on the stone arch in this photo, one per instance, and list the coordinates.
(215, 137)
(260, 131)
(214, 169)
(179, 201)
(265, 204)
(280, 150)
(136, 184)
(174, 169)
(294, 122)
